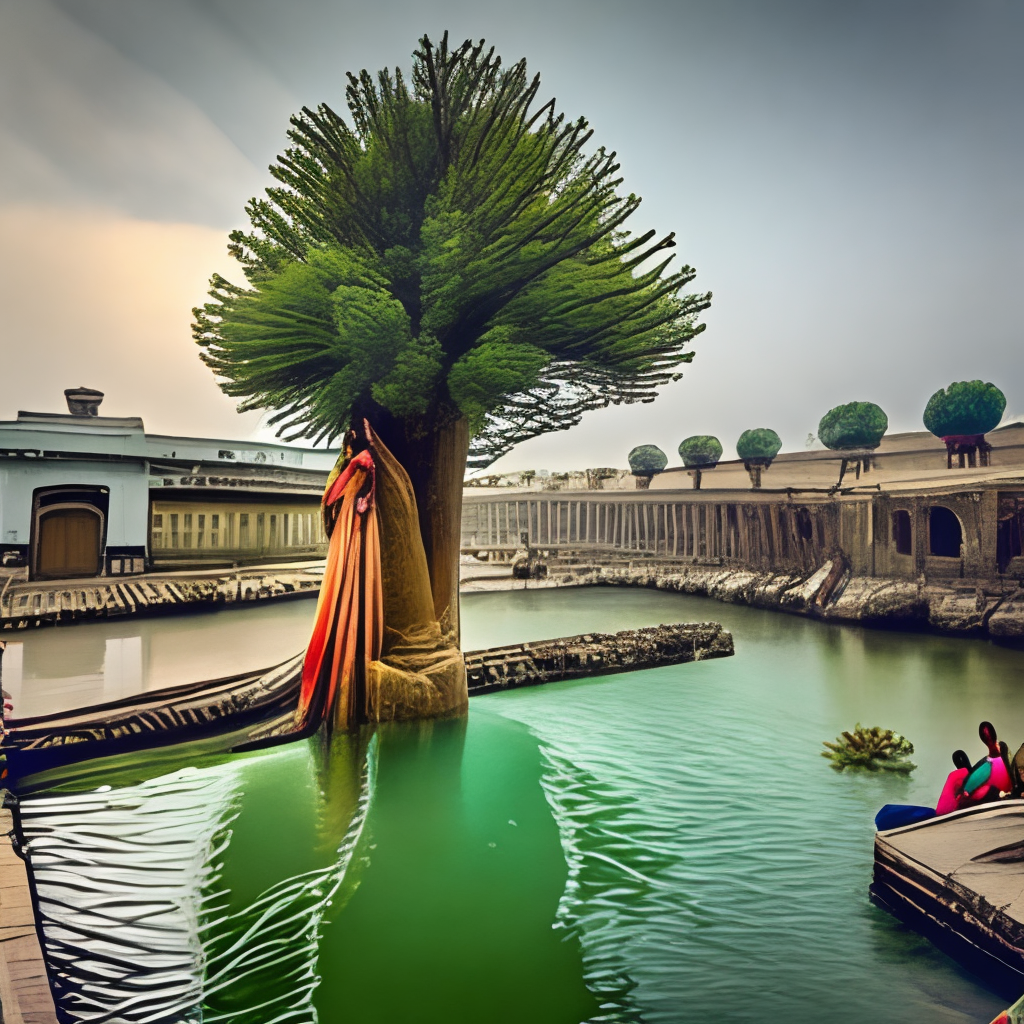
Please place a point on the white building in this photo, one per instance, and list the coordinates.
(89, 495)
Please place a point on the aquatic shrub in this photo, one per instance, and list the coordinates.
(966, 407)
(854, 425)
(875, 749)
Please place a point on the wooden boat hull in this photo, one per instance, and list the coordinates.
(245, 711)
(259, 709)
(958, 881)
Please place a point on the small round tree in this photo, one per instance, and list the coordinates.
(855, 429)
(757, 448)
(644, 461)
(854, 425)
(700, 452)
(962, 415)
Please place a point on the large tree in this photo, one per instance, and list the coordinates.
(451, 264)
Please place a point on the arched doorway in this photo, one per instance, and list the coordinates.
(69, 542)
(945, 534)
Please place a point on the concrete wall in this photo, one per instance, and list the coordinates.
(127, 515)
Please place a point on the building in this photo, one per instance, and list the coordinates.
(84, 495)
(899, 513)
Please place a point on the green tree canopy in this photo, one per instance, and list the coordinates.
(646, 459)
(453, 250)
(964, 408)
(854, 425)
(700, 451)
(758, 443)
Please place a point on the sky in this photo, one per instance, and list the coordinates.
(846, 178)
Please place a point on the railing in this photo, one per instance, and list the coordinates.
(774, 533)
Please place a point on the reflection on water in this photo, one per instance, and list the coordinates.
(416, 878)
(164, 900)
(718, 863)
(62, 667)
(661, 846)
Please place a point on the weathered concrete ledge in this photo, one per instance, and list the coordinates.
(833, 594)
(594, 654)
(63, 601)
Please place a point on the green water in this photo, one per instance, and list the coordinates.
(658, 846)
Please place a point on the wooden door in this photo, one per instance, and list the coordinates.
(69, 543)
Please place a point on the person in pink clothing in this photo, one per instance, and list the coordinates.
(988, 780)
(998, 757)
(953, 797)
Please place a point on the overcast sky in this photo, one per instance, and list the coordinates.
(846, 177)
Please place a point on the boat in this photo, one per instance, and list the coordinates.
(958, 880)
(242, 711)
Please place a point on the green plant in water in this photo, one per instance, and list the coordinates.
(875, 749)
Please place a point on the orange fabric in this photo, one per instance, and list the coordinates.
(348, 626)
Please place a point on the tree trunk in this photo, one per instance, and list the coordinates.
(436, 464)
(437, 480)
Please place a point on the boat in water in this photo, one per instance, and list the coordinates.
(958, 879)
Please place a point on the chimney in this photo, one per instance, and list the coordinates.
(83, 401)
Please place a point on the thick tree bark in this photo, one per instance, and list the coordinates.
(436, 464)
(439, 466)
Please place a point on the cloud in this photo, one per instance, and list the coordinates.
(105, 131)
(845, 179)
(93, 299)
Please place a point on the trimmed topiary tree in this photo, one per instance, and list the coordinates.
(644, 461)
(854, 425)
(700, 452)
(757, 448)
(962, 415)
(853, 429)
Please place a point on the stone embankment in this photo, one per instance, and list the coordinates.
(42, 603)
(594, 654)
(832, 594)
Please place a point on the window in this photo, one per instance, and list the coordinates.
(243, 529)
(945, 535)
(175, 536)
(901, 532)
(215, 522)
(158, 521)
